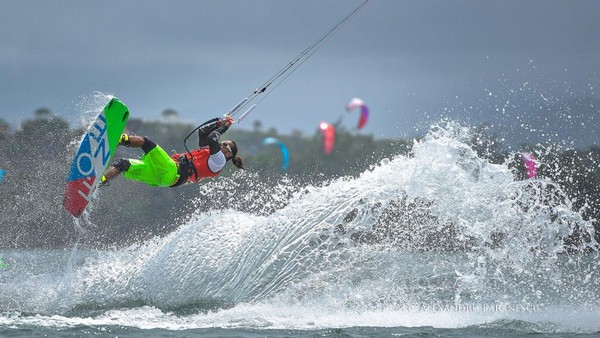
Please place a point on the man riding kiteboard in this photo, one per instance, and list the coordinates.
(157, 168)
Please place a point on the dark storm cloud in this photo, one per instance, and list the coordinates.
(408, 59)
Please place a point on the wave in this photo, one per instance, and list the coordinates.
(441, 227)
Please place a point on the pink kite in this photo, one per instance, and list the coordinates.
(364, 110)
(530, 164)
(328, 136)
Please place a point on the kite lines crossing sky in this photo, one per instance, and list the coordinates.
(290, 68)
(283, 73)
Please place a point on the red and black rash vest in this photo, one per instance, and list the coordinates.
(194, 167)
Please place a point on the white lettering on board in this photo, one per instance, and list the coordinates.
(98, 156)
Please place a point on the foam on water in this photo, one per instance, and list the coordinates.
(438, 238)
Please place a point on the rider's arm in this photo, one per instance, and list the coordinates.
(213, 139)
(217, 159)
(204, 131)
(210, 134)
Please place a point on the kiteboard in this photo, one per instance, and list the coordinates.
(96, 149)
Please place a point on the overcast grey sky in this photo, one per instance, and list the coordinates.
(411, 61)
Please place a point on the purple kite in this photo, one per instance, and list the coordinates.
(364, 110)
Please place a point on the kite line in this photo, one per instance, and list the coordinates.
(291, 67)
(284, 72)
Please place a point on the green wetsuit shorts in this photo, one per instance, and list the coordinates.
(155, 168)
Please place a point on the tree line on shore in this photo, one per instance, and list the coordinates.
(36, 158)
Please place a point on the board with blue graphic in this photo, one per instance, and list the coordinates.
(96, 149)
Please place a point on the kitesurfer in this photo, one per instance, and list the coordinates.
(157, 168)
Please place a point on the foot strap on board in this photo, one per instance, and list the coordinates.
(124, 140)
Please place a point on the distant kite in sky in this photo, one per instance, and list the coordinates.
(282, 147)
(328, 137)
(364, 110)
(1, 174)
(530, 164)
